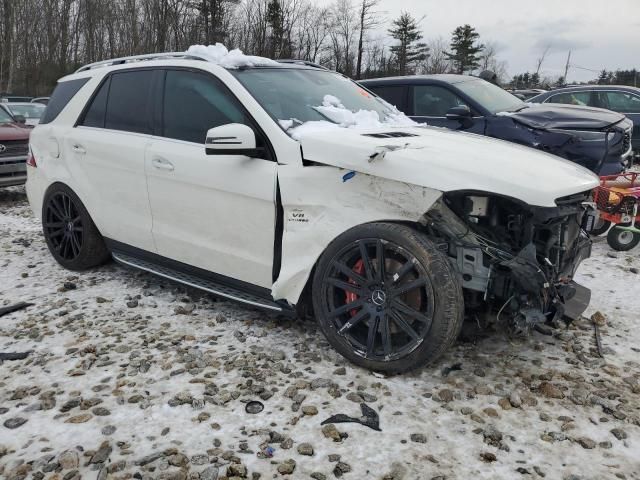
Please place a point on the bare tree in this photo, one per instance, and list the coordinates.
(541, 59)
(369, 19)
(344, 26)
(437, 61)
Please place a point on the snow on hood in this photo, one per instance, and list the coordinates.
(220, 55)
(341, 117)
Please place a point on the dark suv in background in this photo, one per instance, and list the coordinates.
(621, 99)
(597, 139)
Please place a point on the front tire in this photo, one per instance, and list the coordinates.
(622, 240)
(72, 237)
(386, 298)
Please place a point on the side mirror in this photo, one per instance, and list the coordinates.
(232, 139)
(461, 112)
(20, 119)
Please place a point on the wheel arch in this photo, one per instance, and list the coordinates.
(304, 305)
(59, 183)
(320, 205)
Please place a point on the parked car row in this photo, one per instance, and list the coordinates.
(27, 113)
(9, 98)
(18, 115)
(327, 200)
(14, 147)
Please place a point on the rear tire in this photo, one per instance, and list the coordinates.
(622, 240)
(72, 237)
(386, 298)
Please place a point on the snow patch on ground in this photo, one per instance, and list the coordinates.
(91, 343)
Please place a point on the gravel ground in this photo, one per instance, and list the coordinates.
(132, 376)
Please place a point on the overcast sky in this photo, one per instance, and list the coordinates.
(600, 33)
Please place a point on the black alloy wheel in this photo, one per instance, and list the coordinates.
(72, 237)
(63, 226)
(386, 298)
(380, 299)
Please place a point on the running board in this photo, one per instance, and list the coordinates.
(200, 283)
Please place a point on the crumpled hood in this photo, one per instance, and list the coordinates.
(443, 160)
(573, 117)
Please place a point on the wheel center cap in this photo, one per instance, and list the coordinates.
(69, 226)
(378, 297)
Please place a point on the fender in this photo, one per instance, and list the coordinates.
(322, 202)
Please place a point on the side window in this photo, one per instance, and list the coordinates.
(571, 98)
(434, 101)
(128, 102)
(395, 95)
(60, 97)
(623, 102)
(95, 115)
(194, 103)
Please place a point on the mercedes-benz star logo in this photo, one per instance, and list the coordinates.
(379, 297)
(3, 148)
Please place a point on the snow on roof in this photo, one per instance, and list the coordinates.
(220, 55)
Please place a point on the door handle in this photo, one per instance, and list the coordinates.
(78, 149)
(162, 164)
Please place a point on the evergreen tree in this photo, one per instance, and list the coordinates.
(411, 50)
(465, 52)
(560, 82)
(276, 21)
(535, 80)
(603, 78)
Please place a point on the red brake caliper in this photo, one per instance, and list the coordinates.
(350, 296)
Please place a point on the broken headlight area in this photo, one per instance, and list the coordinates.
(514, 260)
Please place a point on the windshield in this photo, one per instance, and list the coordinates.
(490, 96)
(300, 95)
(5, 117)
(28, 111)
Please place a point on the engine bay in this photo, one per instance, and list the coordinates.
(514, 260)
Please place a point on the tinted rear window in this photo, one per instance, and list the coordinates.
(96, 112)
(128, 104)
(60, 97)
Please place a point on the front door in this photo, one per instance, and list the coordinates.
(430, 104)
(214, 212)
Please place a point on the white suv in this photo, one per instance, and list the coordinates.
(291, 188)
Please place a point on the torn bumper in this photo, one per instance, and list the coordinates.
(576, 300)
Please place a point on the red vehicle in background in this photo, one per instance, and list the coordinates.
(618, 202)
(14, 149)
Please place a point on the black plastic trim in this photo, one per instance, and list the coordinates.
(154, 258)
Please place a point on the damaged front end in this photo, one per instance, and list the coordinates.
(515, 260)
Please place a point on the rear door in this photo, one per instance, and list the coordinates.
(214, 212)
(108, 146)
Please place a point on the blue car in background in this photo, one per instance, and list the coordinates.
(597, 139)
(621, 99)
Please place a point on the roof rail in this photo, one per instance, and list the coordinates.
(138, 58)
(301, 62)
